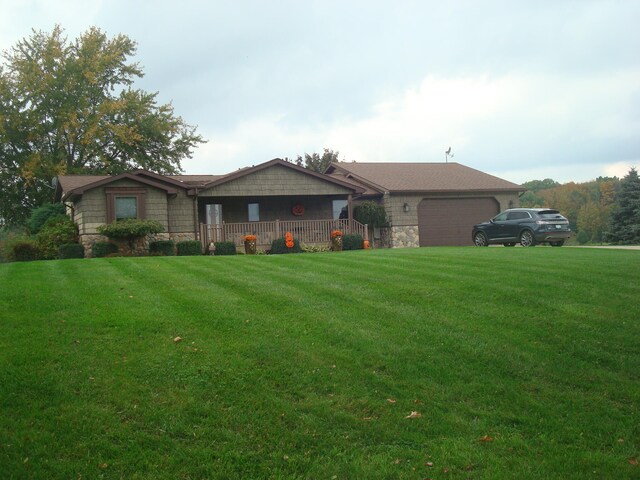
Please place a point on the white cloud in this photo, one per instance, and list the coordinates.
(534, 125)
(619, 169)
(518, 90)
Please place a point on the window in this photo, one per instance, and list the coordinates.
(254, 212)
(126, 207)
(338, 207)
(518, 215)
(125, 202)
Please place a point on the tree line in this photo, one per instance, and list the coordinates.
(606, 209)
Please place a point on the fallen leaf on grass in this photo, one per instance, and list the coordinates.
(391, 400)
(177, 339)
(429, 464)
(486, 438)
(633, 461)
(414, 415)
(103, 466)
(397, 461)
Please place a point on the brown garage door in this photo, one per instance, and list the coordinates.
(448, 221)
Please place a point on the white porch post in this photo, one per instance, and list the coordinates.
(350, 212)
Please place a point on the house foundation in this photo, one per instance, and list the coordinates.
(405, 236)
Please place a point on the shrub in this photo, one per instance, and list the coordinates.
(102, 249)
(162, 247)
(8, 236)
(24, 250)
(55, 232)
(370, 213)
(314, 248)
(352, 242)
(224, 248)
(189, 247)
(582, 237)
(40, 215)
(130, 228)
(70, 250)
(279, 245)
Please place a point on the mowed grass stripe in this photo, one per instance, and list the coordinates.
(287, 363)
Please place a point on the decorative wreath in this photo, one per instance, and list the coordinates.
(297, 209)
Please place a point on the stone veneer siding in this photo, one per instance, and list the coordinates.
(405, 236)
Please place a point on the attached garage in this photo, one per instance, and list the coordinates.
(448, 221)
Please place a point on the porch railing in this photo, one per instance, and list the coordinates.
(305, 231)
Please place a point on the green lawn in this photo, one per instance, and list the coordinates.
(521, 363)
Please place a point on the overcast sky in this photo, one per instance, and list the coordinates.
(520, 89)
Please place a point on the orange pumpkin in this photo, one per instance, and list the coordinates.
(288, 240)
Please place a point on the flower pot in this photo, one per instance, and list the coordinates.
(250, 247)
(336, 243)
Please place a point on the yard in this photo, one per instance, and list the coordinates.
(443, 363)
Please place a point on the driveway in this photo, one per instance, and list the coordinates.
(618, 247)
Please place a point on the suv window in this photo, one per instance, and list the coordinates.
(518, 215)
(500, 218)
(549, 213)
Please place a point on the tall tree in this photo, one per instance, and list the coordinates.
(316, 162)
(592, 219)
(69, 107)
(624, 227)
(531, 198)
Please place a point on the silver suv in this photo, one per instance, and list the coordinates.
(527, 226)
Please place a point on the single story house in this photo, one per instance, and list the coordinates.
(427, 204)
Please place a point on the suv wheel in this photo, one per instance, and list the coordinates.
(526, 239)
(480, 240)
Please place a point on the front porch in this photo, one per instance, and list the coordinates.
(310, 232)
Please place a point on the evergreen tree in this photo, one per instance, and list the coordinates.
(624, 227)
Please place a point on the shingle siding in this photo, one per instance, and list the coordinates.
(274, 181)
(180, 210)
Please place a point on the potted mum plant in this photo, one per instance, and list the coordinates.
(336, 240)
(250, 244)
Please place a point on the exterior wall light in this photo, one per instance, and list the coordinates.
(406, 208)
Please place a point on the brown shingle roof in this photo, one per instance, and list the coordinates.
(424, 177)
(195, 180)
(71, 182)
